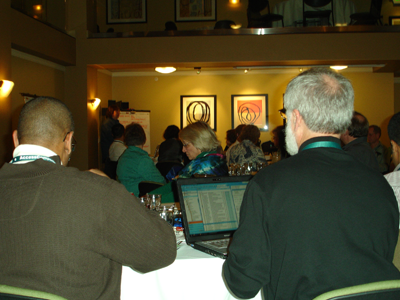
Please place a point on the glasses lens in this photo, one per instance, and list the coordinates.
(73, 143)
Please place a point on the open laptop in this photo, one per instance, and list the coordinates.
(210, 211)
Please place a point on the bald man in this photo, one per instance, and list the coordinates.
(355, 141)
(65, 231)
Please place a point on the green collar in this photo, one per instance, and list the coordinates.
(202, 154)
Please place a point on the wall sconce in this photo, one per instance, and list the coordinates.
(198, 70)
(6, 87)
(234, 2)
(95, 102)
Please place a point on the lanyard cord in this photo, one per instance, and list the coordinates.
(31, 158)
(324, 144)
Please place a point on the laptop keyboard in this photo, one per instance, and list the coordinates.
(217, 244)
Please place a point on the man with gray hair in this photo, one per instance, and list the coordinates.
(64, 231)
(314, 222)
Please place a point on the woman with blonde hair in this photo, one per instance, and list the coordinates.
(200, 145)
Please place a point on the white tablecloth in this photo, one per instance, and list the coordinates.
(292, 12)
(194, 275)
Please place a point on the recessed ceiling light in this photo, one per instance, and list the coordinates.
(337, 68)
(165, 70)
(237, 26)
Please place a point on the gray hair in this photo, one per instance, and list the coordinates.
(324, 99)
(201, 136)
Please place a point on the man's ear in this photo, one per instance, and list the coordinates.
(68, 142)
(297, 119)
(15, 138)
(395, 147)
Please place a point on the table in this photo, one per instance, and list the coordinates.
(292, 12)
(194, 275)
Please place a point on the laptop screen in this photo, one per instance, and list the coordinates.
(213, 206)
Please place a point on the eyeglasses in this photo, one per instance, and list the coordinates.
(73, 143)
(187, 144)
(283, 113)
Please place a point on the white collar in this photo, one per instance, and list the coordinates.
(27, 149)
(397, 168)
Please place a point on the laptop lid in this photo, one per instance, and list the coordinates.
(210, 206)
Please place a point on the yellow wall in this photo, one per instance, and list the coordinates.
(374, 98)
(5, 73)
(33, 78)
(162, 97)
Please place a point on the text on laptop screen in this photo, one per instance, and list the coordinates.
(213, 207)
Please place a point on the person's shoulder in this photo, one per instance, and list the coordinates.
(234, 148)
(393, 177)
(72, 172)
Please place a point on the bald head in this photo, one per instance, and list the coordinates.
(44, 121)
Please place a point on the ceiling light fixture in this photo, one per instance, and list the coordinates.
(338, 68)
(165, 70)
(246, 71)
(237, 26)
(234, 1)
(305, 66)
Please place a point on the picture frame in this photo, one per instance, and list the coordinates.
(394, 20)
(195, 10)
(126, 11)
(250, 110)
(199, 108)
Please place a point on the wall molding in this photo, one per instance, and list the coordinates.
(37, 60)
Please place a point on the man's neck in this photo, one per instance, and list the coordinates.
(311, 134)
(350, 139)
(375, 144)
(32, 150)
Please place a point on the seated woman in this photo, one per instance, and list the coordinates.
(200, 145)
(170, 151)
(135, 165)
(247, 151)
(230, 139)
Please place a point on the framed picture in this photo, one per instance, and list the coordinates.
(195, 10)
(199, 108)
(126, 11)
(394, 20)
(250, 110)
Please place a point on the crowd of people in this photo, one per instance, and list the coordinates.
(322, 218)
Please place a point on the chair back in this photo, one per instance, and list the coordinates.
(376, 7)
(317, 3)
(388, 290)
(148, 186)
(396, 258)
(16, 293)
(258, 5)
